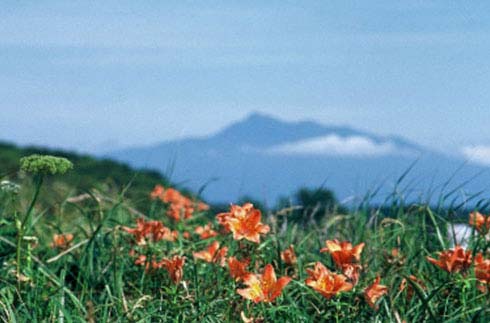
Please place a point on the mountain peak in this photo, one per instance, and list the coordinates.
(262, 130)
(259, 129)
(257, 116)
(257, 120)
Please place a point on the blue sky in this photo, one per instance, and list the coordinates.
(92, 75)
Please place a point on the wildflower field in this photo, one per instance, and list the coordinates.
(94, 256)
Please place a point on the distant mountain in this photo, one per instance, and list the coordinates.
(264, 158)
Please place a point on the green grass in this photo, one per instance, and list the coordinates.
(97, 280)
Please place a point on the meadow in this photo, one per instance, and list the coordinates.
(100, 254)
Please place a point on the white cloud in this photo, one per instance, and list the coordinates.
(478, 154)
(333, 145)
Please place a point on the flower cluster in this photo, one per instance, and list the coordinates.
(459, 260)
(205, 232)
(45, 164)
(346, 257)
(244, 224)
(179, 206)
(8, 186)
(153, 231)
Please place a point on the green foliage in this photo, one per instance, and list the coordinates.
(315, 205)
(88, 174)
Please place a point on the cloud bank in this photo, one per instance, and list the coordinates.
(334, 145)
(479, 154)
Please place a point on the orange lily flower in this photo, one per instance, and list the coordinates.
(453, 260)
(327, 283)
(208, 253)
(62, 241)
(244, 222)
(177, 211)
(289, 256)
(263, 288)
(352, 271)
(482, 272)
(374, 292)
(249, 228)
(238, 269)
(205, 232)
(151, 230)
(345, 256)
(201, 206)
(157, 192)
(171, 195)
(236, 211)
(163, 233)
(480, 222)
(175, 267)
(220, 257)
(212, 254)
(343, 252)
